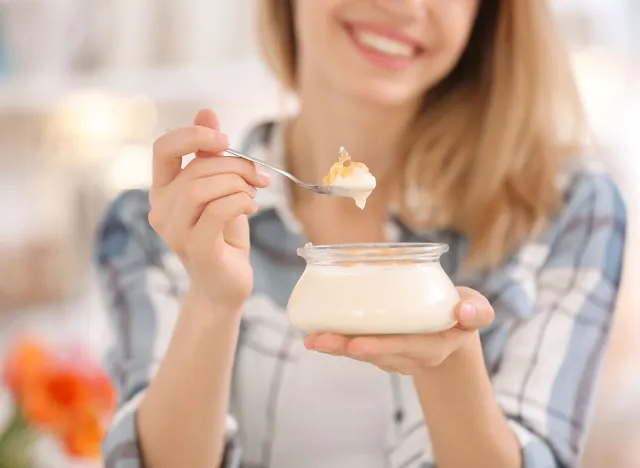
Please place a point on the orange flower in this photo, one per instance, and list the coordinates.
(104, 393)
(27, 361)
(83, 437)
(55, 398)
(69, 397)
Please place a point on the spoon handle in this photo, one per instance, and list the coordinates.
(263, 164)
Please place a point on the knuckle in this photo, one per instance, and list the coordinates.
(244, 165)
(237, 178)
(154, 219)
(434, 360)
(210, 211)
(200, 136)
(193, 194)
(247, 201)
(239, 183)
(198, 168)
(238, 166)
(157, 146)
(232, 166)
(238, 198)
(250, 170)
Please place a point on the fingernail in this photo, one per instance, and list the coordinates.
(264, 177)
(222, 138)
(468, 312)
(253, 191)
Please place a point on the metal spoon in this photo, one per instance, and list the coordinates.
(336, 191)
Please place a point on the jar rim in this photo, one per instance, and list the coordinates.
(373, 251)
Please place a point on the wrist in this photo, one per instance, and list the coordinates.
(198, 303)
(466, 361)
(469, 353)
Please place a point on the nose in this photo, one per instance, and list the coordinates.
(405, 8)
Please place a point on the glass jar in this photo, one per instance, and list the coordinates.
(368, 289)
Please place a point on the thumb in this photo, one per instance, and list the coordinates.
(474, 310)
(206, 118)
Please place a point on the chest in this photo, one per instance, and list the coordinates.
(294, 405)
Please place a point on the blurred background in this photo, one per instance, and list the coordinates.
(87, 85)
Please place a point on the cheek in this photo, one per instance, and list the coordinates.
(313, 26)
(316, 20)
(456, 30)
(458, 24)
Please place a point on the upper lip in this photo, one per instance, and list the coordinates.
(386, 31)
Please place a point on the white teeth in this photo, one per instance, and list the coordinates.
(385, 45)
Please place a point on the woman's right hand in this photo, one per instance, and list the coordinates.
(201, 211)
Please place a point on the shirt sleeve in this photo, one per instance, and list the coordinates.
(142, 283)
(550, 366)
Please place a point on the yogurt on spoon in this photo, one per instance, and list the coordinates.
(352, 177)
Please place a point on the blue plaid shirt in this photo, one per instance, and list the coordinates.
(554, 301)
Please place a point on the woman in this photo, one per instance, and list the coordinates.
(466, 113)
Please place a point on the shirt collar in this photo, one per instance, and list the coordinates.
(269, 145)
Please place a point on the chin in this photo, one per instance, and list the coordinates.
(384, 94)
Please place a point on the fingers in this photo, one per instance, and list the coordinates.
(327, 343)
(211, 166)
(223, 210)
(474, 310)
(398, 353)
(200, 192)
(366, 346)
(169, 149)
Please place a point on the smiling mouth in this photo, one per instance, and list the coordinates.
(384, 43)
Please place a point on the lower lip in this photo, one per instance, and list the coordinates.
(388, 62)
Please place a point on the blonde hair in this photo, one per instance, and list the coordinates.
(491, 138)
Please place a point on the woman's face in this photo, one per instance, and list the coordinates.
(384, 51)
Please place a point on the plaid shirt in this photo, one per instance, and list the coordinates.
(554, 301)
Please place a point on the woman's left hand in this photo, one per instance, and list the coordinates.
(411, 354)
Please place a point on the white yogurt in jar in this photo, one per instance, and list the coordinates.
(371, 298)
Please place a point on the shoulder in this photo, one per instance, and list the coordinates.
(589, 232)
(591, 200)
(588, 187)
(125, 230)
